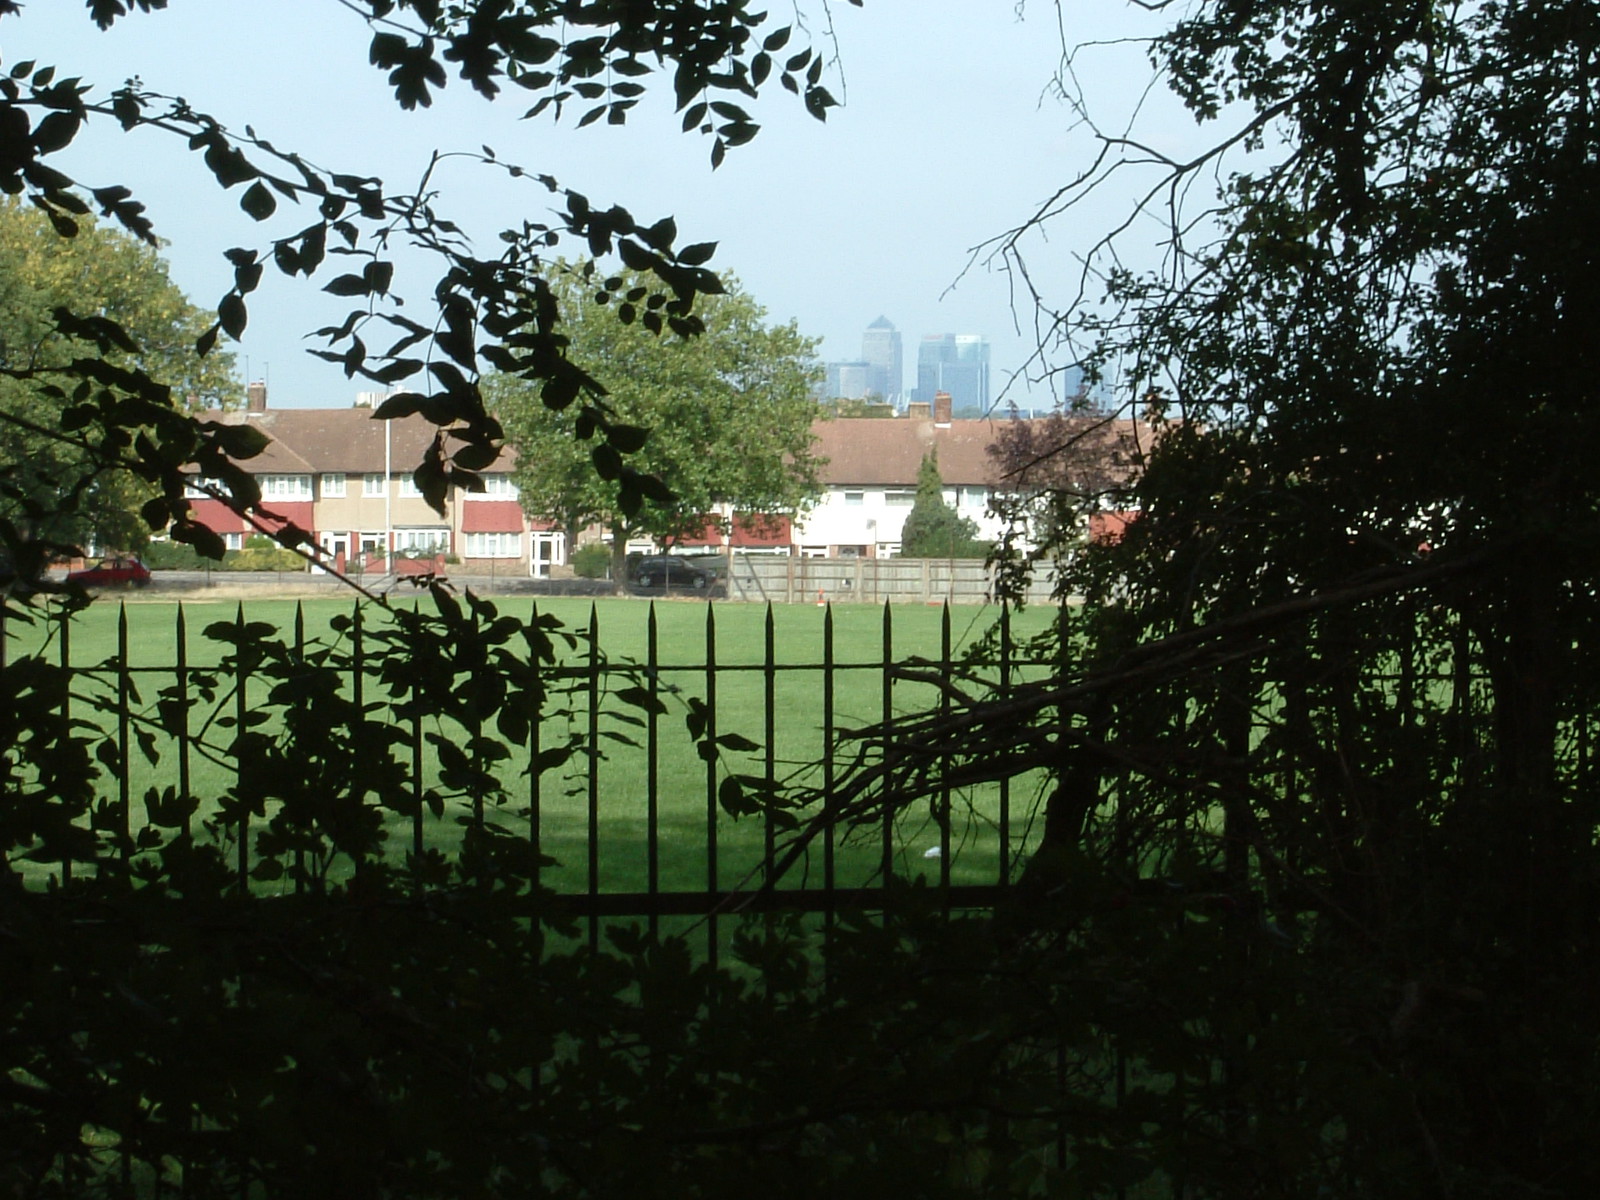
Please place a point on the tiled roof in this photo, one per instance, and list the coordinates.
(318, 440)
(888, 450)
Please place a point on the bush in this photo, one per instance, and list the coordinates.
(592, 560)
(173, 556)
(260, 553)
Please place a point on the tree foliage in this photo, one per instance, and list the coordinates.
(933, 529)
(1055, 472)
(51, 488)
(723, 418)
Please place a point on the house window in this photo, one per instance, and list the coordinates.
(426, 540)
(494, 545)
(495, 487)
(196, 489)
(333, 485)
(855, 499)
(900, 497)
(408, 487)
(233, 541)
(373, 485)
(284, 487)
(975, 497)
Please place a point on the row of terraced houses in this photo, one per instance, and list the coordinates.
(346, 478)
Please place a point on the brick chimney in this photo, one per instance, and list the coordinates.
(941, 408)
(255, 398)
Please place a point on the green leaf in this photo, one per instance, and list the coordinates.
(347, 285)
(639, 697)
(258, 201)
(232, 315)
(628, 439)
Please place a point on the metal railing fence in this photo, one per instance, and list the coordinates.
(637, 776)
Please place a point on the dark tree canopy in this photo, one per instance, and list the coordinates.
(1331, 696)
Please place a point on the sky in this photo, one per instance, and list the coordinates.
(949, 136)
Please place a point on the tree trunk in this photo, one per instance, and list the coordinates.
(619, 555)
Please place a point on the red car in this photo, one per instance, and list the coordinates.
(113, 572)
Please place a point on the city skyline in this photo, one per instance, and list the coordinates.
(957, 363)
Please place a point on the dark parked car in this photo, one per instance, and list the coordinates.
(113, 572)
(670, 571)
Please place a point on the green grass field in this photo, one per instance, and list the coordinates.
(793, 722)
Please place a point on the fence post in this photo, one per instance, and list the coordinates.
(182, 681)
(886, 866)
(535, 786)
(66, 714)
(652, 659)
(241, 672)
(594, 773)
(944, 763)
(711, 781)
(300, 663)
(124, 721)
(769, 679)
(827, 774)
(1005, 779)
(418, 787)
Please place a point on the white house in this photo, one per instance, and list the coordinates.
(871, 481)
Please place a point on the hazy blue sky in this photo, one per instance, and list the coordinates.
(949, 136)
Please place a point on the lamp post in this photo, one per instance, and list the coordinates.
(388, 503)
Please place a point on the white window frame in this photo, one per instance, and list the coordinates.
(426, 539)
(855, 499)
(284, 487)
(374, 485)
(900, 497)
(495, 487)
(503, 544)
(333, 485)
(408, 487)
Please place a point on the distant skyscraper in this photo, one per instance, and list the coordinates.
(880, 349)
(849, 380)
(957, 363)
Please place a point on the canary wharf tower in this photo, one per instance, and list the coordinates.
(880, 350)
(957, 363)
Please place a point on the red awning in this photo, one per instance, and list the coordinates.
(1109, 526)
(751, 531)
(217, 516)
(491, 516)
(275, 514)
